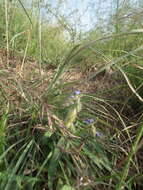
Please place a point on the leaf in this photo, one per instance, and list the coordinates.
(19, 162)
(54, 162)
(67, 187)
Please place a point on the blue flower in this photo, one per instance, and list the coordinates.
(98, 134)
(88, 121)
(76, 92)
(72, 96)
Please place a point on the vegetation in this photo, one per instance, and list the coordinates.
(71, 100)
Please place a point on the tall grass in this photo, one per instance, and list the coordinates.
(55, 133)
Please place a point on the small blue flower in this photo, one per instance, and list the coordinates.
(99, 134)
(76, 92)
(88, 121)
(72, 96)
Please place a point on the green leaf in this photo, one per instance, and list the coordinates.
(67, 187)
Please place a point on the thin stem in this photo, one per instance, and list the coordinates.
(7, 30)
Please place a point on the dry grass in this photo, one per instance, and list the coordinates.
(23, 84)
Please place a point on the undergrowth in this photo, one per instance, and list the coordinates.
(58, 130)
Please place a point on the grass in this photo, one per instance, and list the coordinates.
(60, 133)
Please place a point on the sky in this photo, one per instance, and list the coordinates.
(83, 13)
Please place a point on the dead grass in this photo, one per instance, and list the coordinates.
(23, 79)
(21, 75)
(23, 82)
(27, 71)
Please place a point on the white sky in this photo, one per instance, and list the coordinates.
(86, 14)
(85, 17)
